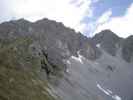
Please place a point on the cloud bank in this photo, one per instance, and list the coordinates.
(70, 12)
(122, 25)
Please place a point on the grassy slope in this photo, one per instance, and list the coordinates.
(19, 73)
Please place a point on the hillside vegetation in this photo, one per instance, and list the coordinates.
(19, 78)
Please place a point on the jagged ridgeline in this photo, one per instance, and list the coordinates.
(50, 40)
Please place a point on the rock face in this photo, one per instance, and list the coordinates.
(55, 39)
(108, 41)
(81, 67)
(111, 43)
(127, 49)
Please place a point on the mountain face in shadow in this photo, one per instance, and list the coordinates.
(127, 49)
(108, 41)
(54, 38)
(45, 53)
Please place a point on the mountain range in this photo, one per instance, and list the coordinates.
(44, 60)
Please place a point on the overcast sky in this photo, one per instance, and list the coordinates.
(86, 16)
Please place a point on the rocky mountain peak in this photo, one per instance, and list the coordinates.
(107, 40)
(106, 36)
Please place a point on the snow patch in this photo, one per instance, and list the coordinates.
(109, 92)
(77, 59)
(103, 90)
(116, 97)
(98, 45)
